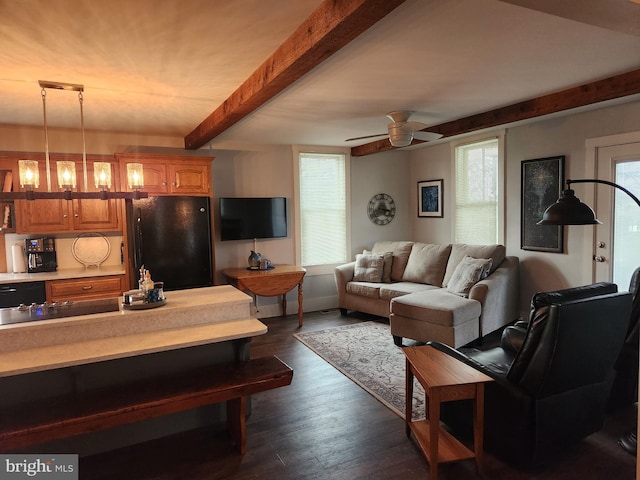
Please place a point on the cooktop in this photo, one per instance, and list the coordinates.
(46, 311)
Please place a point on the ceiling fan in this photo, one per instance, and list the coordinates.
(401, 131)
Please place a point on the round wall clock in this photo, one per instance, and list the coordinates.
(381, 209)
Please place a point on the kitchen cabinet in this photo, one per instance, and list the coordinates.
(170, 174)
(85, 288)
(59, 215)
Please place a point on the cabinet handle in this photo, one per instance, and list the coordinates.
(65, 216)
(164, 183)
(87, 287)
(76, 215)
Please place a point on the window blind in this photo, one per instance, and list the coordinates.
(323, 208)
(476, 218)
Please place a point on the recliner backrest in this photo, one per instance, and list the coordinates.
(544, 329)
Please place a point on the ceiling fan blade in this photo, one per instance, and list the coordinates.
(367, 136)
(427, 136)
(415, 126)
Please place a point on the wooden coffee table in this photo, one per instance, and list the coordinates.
(444, 379)
(269, 283)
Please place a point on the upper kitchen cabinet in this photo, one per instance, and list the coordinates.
(59, 215)
(169, 174)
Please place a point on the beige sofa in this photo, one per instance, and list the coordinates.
(451, 293)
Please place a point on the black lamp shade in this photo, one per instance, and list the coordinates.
(569, 210)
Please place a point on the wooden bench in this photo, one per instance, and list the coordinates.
(51, 419)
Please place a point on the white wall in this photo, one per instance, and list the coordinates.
(539, 271)
(268, 171)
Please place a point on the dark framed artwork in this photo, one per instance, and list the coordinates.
(542, 181)
(430, 198)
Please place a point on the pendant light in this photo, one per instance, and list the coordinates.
(30, 175)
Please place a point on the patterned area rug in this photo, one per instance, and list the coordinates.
(366, 354)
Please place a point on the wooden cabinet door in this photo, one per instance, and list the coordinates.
(155, 178)
(42, 216)
(189, 178)
(102, 215)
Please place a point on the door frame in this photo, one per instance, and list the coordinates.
(592, 145)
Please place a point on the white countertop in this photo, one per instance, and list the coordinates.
(61, 274)
(190, 317)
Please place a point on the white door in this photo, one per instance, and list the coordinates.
(616, 251)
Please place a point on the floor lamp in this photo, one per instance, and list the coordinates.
(569, 210)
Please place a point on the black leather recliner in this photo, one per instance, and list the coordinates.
(552, 376)
(624, 391)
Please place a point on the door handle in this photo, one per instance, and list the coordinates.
(599, 258)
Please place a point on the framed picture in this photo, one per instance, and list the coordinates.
(542, 181)
(430, 198)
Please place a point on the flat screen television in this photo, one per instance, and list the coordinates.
(249, 218)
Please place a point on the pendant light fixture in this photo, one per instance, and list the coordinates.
(30, 174)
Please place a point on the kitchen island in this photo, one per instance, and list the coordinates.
(52, 358)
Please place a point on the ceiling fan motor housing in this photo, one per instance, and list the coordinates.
(399, 136)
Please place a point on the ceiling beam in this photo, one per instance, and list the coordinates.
(329, 28)
(610, 88)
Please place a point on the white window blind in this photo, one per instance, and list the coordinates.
(323, 208)
(477, 171)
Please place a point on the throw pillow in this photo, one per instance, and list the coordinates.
(388, 263)
(468, 272)
(368, 268)
(427, 263)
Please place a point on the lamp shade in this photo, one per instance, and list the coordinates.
(102, 175)
(29, 173)
(569, 210)
(135, 177)
(66, 174)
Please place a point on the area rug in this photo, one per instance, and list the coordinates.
(366, 354)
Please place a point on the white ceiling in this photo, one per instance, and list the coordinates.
(161, 66)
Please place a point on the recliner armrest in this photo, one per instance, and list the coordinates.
(513, 338)
(495, 370)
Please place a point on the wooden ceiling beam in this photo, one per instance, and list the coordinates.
(610, 88)
(329, 28)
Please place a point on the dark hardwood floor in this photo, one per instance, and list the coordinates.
(323, 426)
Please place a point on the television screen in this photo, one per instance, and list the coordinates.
(248, 218)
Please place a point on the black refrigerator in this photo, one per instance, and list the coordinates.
(171, 237)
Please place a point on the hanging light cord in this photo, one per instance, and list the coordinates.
(46, 137)
(84, 145)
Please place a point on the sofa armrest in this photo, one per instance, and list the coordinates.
(499, 295)
(344, 274)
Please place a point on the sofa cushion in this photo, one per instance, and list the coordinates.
(386, 268)
(468, 272)
(368, 268)
(496, 253)
(397, 289)
(400, 250)
(427, 263)
(364, 289)
(437, 306)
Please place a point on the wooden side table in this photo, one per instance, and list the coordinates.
(269, 283)
(444, 379)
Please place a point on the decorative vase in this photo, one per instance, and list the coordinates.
(254, 260)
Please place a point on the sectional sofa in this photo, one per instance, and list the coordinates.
(451, 293)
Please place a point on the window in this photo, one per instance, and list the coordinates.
(322, 237)
(478, 207)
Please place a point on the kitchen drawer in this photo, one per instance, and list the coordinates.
(85, 288)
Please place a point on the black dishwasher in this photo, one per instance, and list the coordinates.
(13, 294)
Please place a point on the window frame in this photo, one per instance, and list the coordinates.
(501, 210)
(323, 269)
